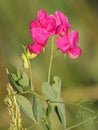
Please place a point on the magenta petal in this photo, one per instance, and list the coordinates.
(74, 38)
(39, 35)
(50, 24)
(60, 30)
(61, 18)
(62, 43)
(41, 15)
(34, 24)
(35, 48)
(74, 52)
(61, 23)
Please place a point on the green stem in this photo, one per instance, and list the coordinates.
(30, 68)
(30, 71)
(37, 95)
(51, 58)
(81, 123)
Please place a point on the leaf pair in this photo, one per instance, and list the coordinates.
(60, 111)
(52, 92)
(19, 80)
(38, 110)
(26, 106)
(53, 95)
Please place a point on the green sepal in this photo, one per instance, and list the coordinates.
(25, 61)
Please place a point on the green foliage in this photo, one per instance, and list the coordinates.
(26, 106)
(53, 95)
(48, 91)
(60, 111)
(48, 110)
(13, 81)
(19, 80)
(25, 61)
(38, 110)
(57, 86)
(24, 81)
(52, 92)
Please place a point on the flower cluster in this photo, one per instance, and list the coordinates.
(55, 24)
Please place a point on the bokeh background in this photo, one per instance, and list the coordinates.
(79, 77)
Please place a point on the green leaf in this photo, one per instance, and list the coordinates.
(57, 86)
(18, 74)
(26, 106)
(38, 110)
(49, 92)
(25, 80)
(15, 77)
(45, 126)
(48, 110)
(14, 83)
(60, 111)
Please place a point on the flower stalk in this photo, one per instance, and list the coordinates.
(51, 59)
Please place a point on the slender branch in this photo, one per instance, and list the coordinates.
(51, 58)
(30, 71)
(37, 95)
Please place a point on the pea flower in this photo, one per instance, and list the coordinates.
(55, 24)
(62, 25)
(69, 44)
(35, 48)
(47, 21)
(41, 29)
(67, 41)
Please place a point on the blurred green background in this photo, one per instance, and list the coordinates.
(79, 77)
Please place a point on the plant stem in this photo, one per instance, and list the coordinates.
(51, 58)
(30, 68)
(30, 71)
(81, 123)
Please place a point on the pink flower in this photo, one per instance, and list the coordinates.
(40, 30)
(62, 25)
(35, 48)
(49, 25)
(68, 44)
(39, 35)
(46, 21)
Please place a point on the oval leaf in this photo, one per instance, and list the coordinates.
(57, 86)
(26, 106)
(25, 80)
(38, 109)
(49, 92)
(14, 84)
(60, 111)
